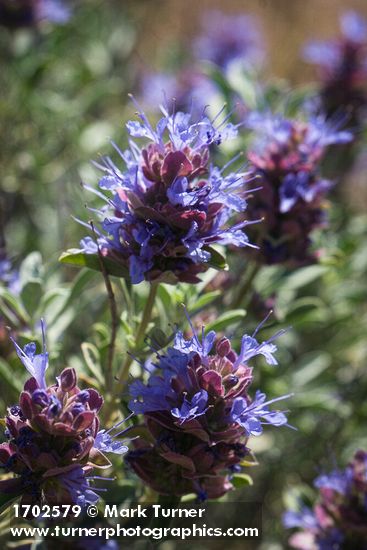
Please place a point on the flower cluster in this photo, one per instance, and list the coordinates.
(339, 518)
(25, 13)
(171, 205)
(229, 38)
(199, 414)
(286, 155)
(54, 437)
(343, 68)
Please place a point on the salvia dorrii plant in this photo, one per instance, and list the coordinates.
(163, 206)
(338, 520)
(27, 13)
(286, 154)
(199, 414)
(54, 440)
(342, 68)
(163, 213)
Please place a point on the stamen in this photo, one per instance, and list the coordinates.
(143, 116)
(119, 423)
(262, 323)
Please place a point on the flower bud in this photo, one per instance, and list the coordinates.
(223, 347)
(68, 379)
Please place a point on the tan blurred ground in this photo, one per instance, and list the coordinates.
(287, 24)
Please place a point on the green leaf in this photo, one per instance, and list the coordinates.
(218, 78)
(11, 307)
(249, 461)
(166, 295)
(60, 324)
(311, 365)
(226, 319)
(6, 500)
(73, 294)
(304, 276)
(92, 359)
(217, 260)
(78, 258)
(8, 377)
(79, 284)
(53, 303)
(204, 300)
(31, 295)
(31, 269)
(241, 480)
(98, 459)
(245, 82)
(189, 497)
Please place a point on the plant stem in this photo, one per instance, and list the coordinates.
(114, 327)
(145, 320)
(147, 313)
(246, 285)
(114, 317)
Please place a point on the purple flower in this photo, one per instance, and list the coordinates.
(250, 348)
(286, 155)
(327, 54)
(194, 344)
(252, 416)
(36, 365)
(343, 69)
(106, 441)
(229, 38)
(193, 408)
(9, 277)
(337, 480)
(287, 144)
(76, 483)
(164, 213)
(54, 437)
(199, 414)
(300, 187)
(304, 518)
(23, 13)
(56, 11)
(338, 518)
